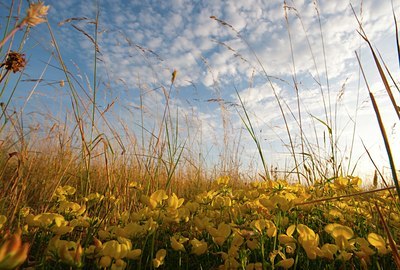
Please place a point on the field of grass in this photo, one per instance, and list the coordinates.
(69, 201)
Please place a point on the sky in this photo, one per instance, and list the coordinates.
(301, 53)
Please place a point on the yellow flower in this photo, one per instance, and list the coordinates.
(13, 253)
(285, 263)
(24, 212)
(282, 202)
(134, 229)
(237, 240)
(364, 246)
(378, 242)
(223, 180)
(160, 256)
(71, 253)
(79, 222)
(71, 208)
(287, 238)
(192, 206)
(155, 199)
(221, 234)
(3, 220)
(344, 255)
(45, 220)
(261, 224)
(198, 247)
(96, 197)
(184, 214)
(230, 263)
(150, 225)
(341, 182)
(309, 240)
(174, 202)
(103, 235)
(134, 254)
(36, 13)
(252, 243)
(341, 234)
(202, 223)
(334, 214)
(115, 249)
(221, 201)
(105, 261)
(118, 265)
(328, 250)
(177, 242)
(61, 230)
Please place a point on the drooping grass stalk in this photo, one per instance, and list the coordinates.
(96, 25)
(74, 101)
(268, 77)
(326, 104)
(40, 78)
(94, 106)
(353, 137)
(303, 135)
(383, 131)
(295, 84)
(328, 110)
(362, 193)
(224, 112)
(249, 127)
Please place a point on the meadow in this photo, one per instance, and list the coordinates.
(69, 200)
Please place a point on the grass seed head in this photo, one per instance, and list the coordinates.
(36, 14)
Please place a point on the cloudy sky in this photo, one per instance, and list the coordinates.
(301, 53)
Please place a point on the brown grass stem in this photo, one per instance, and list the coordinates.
(345, 196)
(382, 129)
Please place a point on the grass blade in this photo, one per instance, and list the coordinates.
(383, 131)
(378, 65)
(247, 122)
(392, 244)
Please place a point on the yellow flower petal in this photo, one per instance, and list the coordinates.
(285, 263)
(198, 247)
(376, 240)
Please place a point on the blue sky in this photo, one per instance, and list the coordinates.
(142, 42)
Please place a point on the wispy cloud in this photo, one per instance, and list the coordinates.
(141, 43)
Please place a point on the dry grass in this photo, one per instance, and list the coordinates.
(156, 180)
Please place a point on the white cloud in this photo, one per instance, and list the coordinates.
(180, 35)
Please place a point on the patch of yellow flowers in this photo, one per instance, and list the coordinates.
(263, 226)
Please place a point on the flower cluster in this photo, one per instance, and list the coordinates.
(266, 225)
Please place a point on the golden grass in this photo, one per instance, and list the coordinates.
(75, 201)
